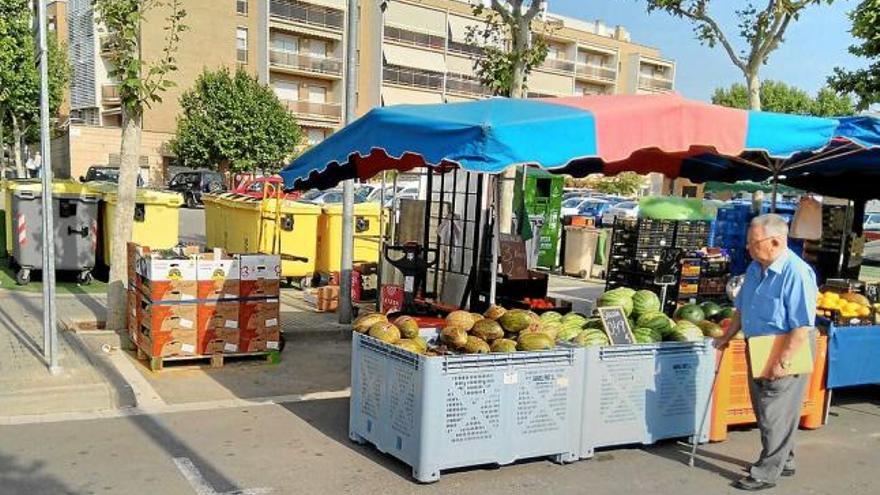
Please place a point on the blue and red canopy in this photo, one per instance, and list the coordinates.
(573, 135)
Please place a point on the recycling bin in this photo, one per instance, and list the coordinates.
(75, 227)
(156, 220)
(366, 236)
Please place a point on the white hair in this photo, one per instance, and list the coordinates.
(773, 225)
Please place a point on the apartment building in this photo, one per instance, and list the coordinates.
(416, 52)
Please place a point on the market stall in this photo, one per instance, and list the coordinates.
(509, 384)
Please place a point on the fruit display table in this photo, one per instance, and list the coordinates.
(852, 355)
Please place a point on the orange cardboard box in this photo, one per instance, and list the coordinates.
(179, 342)
(259, 314)
(218, 276)
(260, 275)
(166, 317)
(218, 327)
(167, 279)
(260, 340)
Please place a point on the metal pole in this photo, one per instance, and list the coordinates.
(345, 305)
(50, 329)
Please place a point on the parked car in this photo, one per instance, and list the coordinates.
(105, 173)
(871, 226)
(594, 208)
(191, 185)
(625, 209)
(325, 197)
(571, 205)
(254, 187)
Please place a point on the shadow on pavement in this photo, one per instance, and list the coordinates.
(330, 417)
(22, 335)
(679, 452)
(29, 479)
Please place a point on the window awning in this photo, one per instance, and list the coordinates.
(459, 27)
(415, 18)
(400, 96)
(415, 58)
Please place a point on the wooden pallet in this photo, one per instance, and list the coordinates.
(215, 360)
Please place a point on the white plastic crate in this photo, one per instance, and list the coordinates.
(443, 412)
(639, 394)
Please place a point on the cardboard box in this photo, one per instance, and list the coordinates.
(167, 316)
(163, 279)
(218, 327)
(132, 313)
(217, 276)
(260, 314)
(260, 275)
(261, 340)
(180, 342)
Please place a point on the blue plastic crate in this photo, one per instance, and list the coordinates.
(444, 412)
(640, 394)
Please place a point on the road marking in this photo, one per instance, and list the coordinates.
(201, 486)
(173, 408)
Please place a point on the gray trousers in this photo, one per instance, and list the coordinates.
(777, 405)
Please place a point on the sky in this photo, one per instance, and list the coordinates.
(813, 46)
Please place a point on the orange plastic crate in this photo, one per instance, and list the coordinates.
(731, 401)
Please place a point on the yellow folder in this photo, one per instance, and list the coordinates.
(764, 352)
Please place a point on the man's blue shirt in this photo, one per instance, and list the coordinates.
(780, 300)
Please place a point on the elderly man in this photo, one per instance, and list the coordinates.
(778, 297)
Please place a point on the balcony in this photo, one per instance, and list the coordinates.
(559, 65)
(466, 85)
(315, 109)
(405, 76)
(110, 95)
(305, 13)
(596, 72)
(413, 38)
(305, 63)
(655, 83)
(465, 49)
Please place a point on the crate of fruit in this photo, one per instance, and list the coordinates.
(436, 410)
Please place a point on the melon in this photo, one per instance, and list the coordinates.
(384, 331)
(690, 312)
(460, 319)
(645, 301)
(409, 327)
(710, 329)
(617, 297)
(551, 316)
(516, 320)
(487, 330)
(710, 309)
(363, 323)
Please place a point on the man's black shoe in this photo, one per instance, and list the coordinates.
(751, 484)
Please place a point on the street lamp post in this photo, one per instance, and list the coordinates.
(345, 303)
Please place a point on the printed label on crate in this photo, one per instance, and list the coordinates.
(188, 348)
(271, 345)
(562, 382)
(272, 322)
(184, 323)
(230, 347)
(231, 324)
(511, 378)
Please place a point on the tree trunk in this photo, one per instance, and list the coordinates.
(123, 220)
(754, 85)
(2, 146)
(16, 148)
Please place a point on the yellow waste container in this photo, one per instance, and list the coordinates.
(284, 227)
(215, 218)
(156, 219)
(366, 236)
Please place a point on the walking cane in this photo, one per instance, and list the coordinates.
(696, 440)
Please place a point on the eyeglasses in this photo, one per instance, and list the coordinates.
(759, 241)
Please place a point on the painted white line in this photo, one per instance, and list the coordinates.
(172, 408)
(201, 486)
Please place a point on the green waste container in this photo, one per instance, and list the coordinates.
(540, 192)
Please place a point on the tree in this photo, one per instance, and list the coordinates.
(780, 97)
(761, 29)
(20, 78)
(508, 54)
(622, 184)
(140, 84)
(863, 83)
(233, 122)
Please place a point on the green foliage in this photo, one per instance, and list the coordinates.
(780, 97)
(761, 29)
(140, 82)
(622, 184)
(863, 83)
(507, 46)
(20, 72)
(233, 119)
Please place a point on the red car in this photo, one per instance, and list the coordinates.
(254, 188)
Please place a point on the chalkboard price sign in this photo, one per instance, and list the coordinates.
(512, 256)
(616, 325)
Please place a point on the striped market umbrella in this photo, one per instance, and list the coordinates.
(572, 135)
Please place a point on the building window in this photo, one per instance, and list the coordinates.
(314, 136)
(241, 44)
(241, 6)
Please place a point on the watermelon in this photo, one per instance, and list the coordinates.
(595, 323)
(690, 312)
(710, 329)
(591, 338)
(726, 312)
(649, 333)
(617, 297)
(551, 316)
(643, 339)
(710, 309)
(573, 318)
(645, 301)
(567, 333)
(685, 331)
